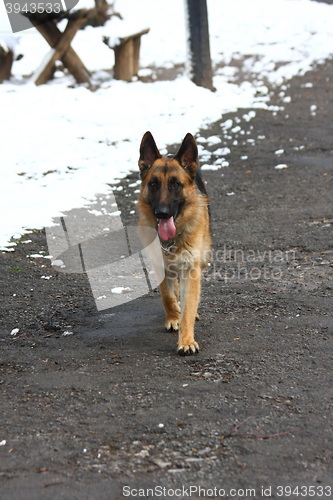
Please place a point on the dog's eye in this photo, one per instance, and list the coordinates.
(175, 184)
(153, 184)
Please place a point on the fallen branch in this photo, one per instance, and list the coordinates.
(55, 483)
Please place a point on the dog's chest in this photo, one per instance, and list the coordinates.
(178, 262)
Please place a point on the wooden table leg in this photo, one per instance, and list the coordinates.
(70, 59)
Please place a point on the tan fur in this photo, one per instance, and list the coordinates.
(190, 251)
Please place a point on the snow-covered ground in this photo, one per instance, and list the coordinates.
(61, 144)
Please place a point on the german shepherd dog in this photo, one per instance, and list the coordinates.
(173, 200)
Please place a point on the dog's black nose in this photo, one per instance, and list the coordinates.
(162, 212)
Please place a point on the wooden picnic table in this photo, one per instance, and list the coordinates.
(127, 49)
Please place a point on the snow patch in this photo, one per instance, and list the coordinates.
(120, 289)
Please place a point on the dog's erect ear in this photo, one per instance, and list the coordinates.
(188, 155)
(148, 153)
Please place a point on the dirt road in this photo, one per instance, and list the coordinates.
(110, 409)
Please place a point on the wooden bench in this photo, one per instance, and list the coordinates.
(127, 55)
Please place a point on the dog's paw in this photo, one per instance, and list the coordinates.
(172, 325)
(189, 349)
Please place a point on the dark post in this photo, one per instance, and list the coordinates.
(199, 66)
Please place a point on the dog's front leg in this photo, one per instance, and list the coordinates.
(170, 304)
(190, 284)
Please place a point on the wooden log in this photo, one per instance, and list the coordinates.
(136, 54)
(127, 55)
(123, 67)
(6, 61)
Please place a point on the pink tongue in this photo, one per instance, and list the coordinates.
(166, 228)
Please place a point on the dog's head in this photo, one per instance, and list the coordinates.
(167, 181)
